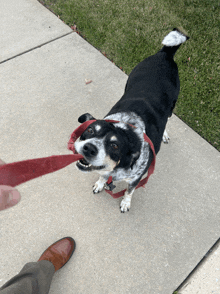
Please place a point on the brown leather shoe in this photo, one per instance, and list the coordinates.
(59, 252)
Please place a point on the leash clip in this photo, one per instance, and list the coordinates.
(111, 186)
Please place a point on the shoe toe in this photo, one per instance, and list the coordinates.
(60, 252)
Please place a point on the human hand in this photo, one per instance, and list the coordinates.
(9, 196)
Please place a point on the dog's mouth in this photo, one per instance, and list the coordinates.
(84, 165)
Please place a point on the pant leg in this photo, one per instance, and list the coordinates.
(34, 278)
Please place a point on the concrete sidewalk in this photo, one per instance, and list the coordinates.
(172, 223)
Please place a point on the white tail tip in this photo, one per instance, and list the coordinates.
(174, 38)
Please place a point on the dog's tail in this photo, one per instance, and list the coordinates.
(173, 41)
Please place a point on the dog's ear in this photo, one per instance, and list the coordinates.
(84, 117)
(134, 158)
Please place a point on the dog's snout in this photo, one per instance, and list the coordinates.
(90, 150)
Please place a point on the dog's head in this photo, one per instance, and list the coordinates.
(106, 147)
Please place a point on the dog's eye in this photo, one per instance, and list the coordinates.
(90, 130)
(115, 146)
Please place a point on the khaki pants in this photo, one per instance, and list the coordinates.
(34, 278)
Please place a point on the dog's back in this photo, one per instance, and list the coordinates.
(152, 88)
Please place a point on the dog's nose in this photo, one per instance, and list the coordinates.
(90, 150)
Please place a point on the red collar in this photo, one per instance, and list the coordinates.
(16, 173)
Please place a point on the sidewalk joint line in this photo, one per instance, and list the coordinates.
(36, 47)
(199, 265)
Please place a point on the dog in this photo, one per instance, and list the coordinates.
(119, 149)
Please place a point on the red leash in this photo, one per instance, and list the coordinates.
(16, 173)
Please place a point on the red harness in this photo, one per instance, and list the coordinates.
(16, 173)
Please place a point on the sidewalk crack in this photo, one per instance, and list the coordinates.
(36, 47)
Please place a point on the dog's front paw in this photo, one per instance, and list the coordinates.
(166, 137)
(125, 204)
(98, 187)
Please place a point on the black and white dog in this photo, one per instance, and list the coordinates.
(118, 149)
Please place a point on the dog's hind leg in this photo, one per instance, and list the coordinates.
(166, 137)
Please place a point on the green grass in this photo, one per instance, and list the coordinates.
(127, 31)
